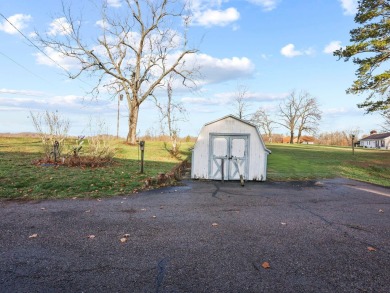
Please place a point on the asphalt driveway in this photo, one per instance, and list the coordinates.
(327, 236)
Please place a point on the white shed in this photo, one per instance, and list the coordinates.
(234, 144)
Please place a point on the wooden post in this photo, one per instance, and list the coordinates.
(56, 151)
(222, 169)
(353, 144)
(142, 148)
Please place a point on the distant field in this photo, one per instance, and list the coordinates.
(20, 179)
(300, 162)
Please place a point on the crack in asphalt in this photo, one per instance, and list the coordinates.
(162, 268)
(337, 227)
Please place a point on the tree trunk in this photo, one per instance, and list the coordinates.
(133, 119)
(299, 136)
(291, 137)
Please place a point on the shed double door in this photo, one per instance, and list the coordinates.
(228, 157)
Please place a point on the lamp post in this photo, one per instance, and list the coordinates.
(120, 98)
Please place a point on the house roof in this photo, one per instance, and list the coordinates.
(377, 136)
(307, 138)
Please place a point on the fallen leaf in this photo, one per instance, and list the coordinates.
(265, 265)
(143, 209)
(43, 209)
(88, 211)
(99, 199)
(283, 223)
(371, 248)
(214, 224)
(381, 211)
(91, 236)
(74, 197)
(33, 236)
(123, 239)
(154, 217)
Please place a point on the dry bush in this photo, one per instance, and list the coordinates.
(100, 147)
(51, 127)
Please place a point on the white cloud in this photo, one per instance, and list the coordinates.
(253, 96)
(21, 92)
(335, 111)
(332, 46)
(67, 103)
(226, 98)
(114, 3)
(210, 13)
(267, 5)
(265, 56)
(102, 24)
(59, 26)
(18, 20)
(290, 52)
(66, 62)
(211, 17)
(216, 70)
(349, 6)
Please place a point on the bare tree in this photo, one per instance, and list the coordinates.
(309, 115)
(351, 133)
(138, 47)
(290, 113)
(299, 112)
(263, 120)
(170, 116)
(241, 101)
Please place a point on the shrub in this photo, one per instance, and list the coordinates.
(51, 128)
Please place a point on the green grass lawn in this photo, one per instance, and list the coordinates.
(20, 179)
(300, 162)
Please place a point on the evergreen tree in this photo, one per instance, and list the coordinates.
(371, 52)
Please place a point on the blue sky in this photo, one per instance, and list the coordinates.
(269, 46)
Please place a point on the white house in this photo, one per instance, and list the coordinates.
(231, 149)
(376, 141)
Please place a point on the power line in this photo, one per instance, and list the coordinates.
(32, 43)
(39, 49)
(25, 68)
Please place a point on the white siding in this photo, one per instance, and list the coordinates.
(257, 159)
(376, 143)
